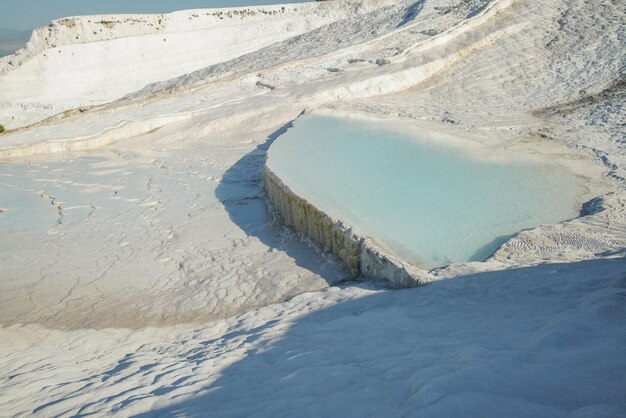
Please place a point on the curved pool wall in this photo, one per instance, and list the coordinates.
(295, 172)
(360, 254)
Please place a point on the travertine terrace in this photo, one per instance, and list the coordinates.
(143, 272)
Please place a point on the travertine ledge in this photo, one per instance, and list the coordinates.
(362, 256)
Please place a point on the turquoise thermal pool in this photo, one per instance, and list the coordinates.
(422, 198)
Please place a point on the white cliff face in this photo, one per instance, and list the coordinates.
(141, 270)
(87, 60)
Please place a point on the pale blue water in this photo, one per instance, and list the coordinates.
(424, 200)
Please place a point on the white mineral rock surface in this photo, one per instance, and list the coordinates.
(141, 271)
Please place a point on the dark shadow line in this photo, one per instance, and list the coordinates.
(241, 192)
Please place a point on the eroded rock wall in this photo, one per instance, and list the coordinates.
(361, 255)
(306, 219)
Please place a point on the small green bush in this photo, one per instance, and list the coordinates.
(1, 128)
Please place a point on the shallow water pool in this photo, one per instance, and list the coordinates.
(427, 201)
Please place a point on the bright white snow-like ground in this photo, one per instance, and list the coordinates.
(142, 273)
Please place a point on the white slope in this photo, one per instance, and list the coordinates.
(546, 341)
(122, 259)
(86, 60)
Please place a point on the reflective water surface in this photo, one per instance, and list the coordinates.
(425, 200)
